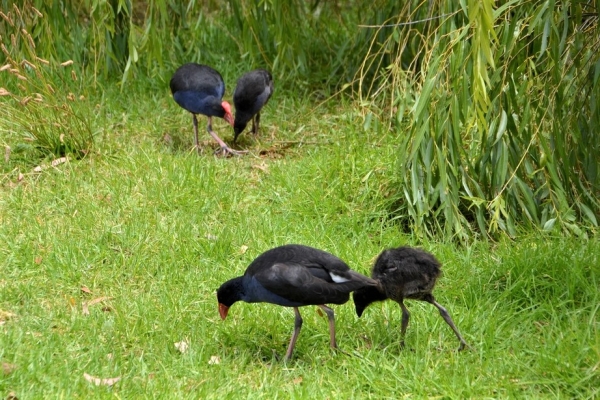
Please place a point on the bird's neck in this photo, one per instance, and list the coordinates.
(216, 108)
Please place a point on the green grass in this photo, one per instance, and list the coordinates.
(157, 229)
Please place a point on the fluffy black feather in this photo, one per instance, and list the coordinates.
(404, 273)
(252, 92)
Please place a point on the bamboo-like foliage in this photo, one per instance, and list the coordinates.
(312, 44)
(119, 38)
(501, 110)
(305, 42)
(38, 113)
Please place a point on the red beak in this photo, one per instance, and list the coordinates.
(223, 310)
(228, 115)
(229, 119)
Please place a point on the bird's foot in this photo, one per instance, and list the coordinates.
(226, 151)
(276, 356)
(338, 350)
(464, 346)
(287, 357)
(403, 347)
(355, 353)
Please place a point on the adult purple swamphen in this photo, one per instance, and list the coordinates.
(404, 273)
(199, 89)
(252, 92)
(294, 276)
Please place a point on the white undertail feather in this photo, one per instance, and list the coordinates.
(337, 278)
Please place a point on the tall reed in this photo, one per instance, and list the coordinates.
(41, 113)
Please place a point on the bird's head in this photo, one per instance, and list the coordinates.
(360, 302)
(238, 127)
(229, 293)
(364, 296)
(228, 115)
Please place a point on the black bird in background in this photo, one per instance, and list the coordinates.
(404, 273)
(294, 276)
(199, 89)
(252, 92)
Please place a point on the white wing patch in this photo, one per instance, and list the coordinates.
(337, 278)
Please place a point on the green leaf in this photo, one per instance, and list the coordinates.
(549, 224)
(501, 127)
(588, 213)
(545, 36)
(424, 97)
(574, 228)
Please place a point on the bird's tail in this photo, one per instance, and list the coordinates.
(364, 280)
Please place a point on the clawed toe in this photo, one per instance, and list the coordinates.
(226, 151)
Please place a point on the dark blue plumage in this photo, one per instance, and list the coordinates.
(252, 92)
(294, 276)
(404, 273)
(199, 89)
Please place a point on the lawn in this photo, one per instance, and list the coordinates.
(109, 267)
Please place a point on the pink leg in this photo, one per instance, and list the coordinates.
(330, 317)
(449, 321)
(297, 326)
(405, 319)
(195, 120)
(224, 148)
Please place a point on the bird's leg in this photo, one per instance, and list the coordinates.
(331, 318)
(446, 316)
(224, 148)
(405, 318)
(297, 326)
(195, 119)
(255, 123)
